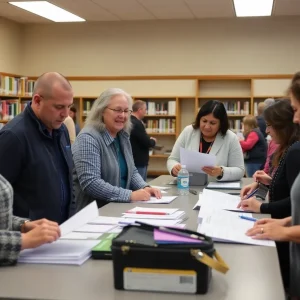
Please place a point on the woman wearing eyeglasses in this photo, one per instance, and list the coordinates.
(104, 166)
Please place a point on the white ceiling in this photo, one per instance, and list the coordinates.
(125, 10)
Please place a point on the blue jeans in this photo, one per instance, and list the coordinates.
(143, 172)
(252, 168)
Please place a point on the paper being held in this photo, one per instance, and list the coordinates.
(195, 161)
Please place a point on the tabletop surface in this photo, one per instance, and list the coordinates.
(254, 270)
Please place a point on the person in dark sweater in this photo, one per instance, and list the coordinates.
(287, 229)
(35, 153)
(280, 126)
(254, 146)
(139, 139)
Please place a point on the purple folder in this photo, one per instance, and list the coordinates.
(162, 237)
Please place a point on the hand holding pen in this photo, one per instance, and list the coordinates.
(262, 177)
(250, 203)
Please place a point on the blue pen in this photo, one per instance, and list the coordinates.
(247, 218)
(252, 194)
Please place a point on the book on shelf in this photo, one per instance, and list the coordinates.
(9, 108)
(87, 105)
(15, 86)
(237, 107)
(162, 125)
(235, 125)
(163, 108)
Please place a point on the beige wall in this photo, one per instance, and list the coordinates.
(224, 46)
(10, 46)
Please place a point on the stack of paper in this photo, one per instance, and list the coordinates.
(127, 221)
(67, 250)
(214, 201)
(59, 252)
(228, 226)
(154, 213)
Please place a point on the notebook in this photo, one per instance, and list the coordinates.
(161, 237)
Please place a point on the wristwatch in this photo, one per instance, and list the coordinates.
(22, 225)
(222, 172)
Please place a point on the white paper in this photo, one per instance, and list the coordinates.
(95, 228)
(212, 201)
(160, 187)
(88, 213)
(127, 221)
(116, 229)
(152, 210)
(59, 252)
(177, 215)
(198, 204)
(227, 225)
(81, 236)
(163, 200)
(224, 185)
(105, 220)
(195, 161)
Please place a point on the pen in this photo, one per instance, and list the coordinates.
(171, 231)
(252, 194)
(193, 192)
(147, 212)
(247, 218)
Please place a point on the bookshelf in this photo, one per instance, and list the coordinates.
(15, 93)
(239, 93)
(235, 95)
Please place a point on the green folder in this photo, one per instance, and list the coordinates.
(103, 249)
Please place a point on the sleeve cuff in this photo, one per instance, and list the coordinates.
(264, 208)
(17, 222)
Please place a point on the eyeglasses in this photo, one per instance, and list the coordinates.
(119, 111)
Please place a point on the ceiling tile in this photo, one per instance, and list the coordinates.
(286, 8)
(86, 9)
(211, 8)
(168, 9)
(126, 9)
(17, 14)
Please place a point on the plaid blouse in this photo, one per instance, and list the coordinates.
(10, 235)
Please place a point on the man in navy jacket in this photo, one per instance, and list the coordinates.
(35, 153)
(140, 141)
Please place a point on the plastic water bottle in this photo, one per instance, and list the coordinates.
(183, 181)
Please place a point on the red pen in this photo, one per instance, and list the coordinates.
(146, 212)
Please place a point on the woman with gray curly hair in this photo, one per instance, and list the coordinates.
(102, 154)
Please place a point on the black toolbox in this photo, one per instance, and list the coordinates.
(139, 263)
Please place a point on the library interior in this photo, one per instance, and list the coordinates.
(189, 62)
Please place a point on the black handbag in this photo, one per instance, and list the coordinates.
(139, 263)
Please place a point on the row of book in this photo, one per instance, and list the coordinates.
(10, 108)
(162, 108)
(235, 125)
(16, 86)
(237, 108)
(160, 126)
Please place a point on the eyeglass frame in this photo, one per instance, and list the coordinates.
(120, 111)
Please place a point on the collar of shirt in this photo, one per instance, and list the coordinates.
(42, 127)
(108, 139)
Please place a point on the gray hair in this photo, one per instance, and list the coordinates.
(95, 118)
(269, 102)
